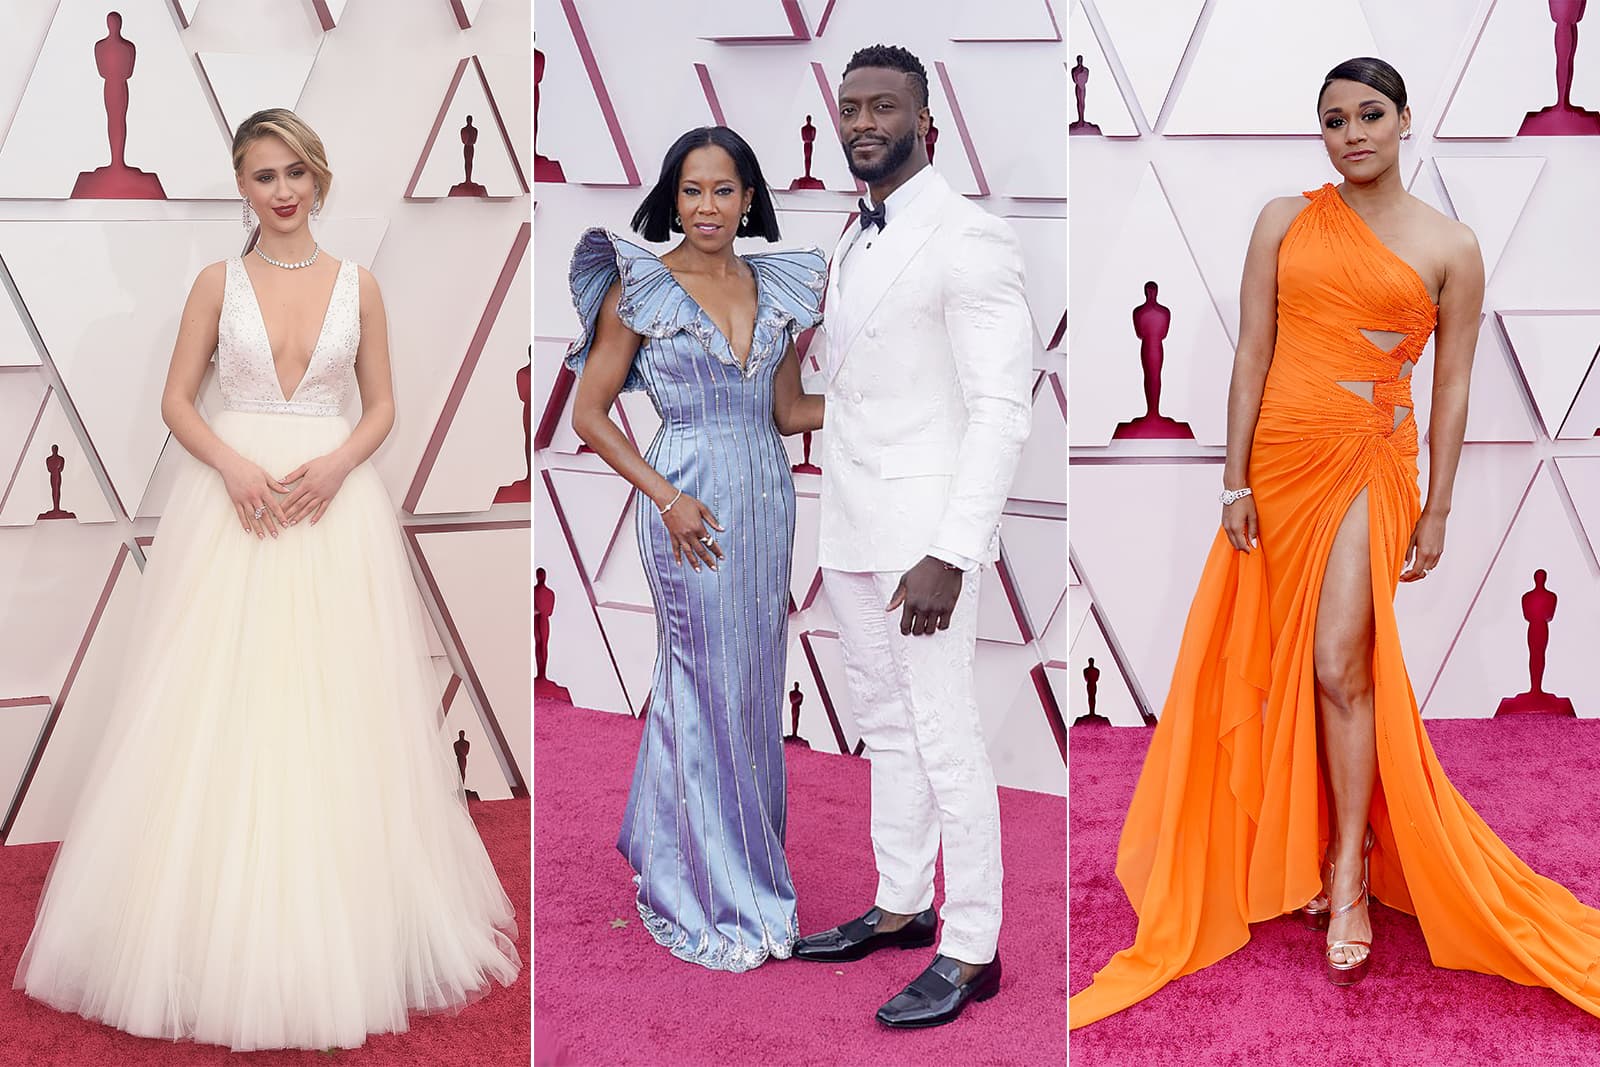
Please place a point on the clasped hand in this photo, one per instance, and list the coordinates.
(306, 490)
(927, 596)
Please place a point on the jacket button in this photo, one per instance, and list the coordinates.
(856, 460)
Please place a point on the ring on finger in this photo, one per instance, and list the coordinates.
(261, 509)
(707, 540)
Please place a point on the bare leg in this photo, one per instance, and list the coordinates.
(1343, 658)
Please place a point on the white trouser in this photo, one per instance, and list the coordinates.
(915, 703)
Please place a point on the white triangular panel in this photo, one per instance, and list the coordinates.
(484, 774)
(1489, 193)
(1106, 369)
(1491, 481)
(16, 347)
(22, 398)
(21, 720)
(1045, 248)
(1150, 38)
(1112, 697)
(1499, 408)
(572, 127)
(1141, 533)
(1583, 421)
(479, 574)
(60, 129)
(622, 580)
(467, 11)
(1004, 20)
(1103, 104)
(815, 726)
(773, 118)
(84, 707)
(484, 446)
(997, 618)
(577, 655)
(1042, 468)
(1016, 731)
(244, 84)
(31, 495)
(52, 574)
(632, 634)
(136, 276)
(1036, 551)
(1490, 660)
(353, 239)
(1581, 475)
(594, 503)
(1555, 351)
(1511, 72)
(468, 114)
(1284, 54)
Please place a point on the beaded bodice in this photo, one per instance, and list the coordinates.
(245, 370)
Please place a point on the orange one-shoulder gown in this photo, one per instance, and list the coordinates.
(1228, 826)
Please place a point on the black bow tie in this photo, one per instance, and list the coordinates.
(869, 215)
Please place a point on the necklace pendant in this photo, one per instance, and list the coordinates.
(316, 250)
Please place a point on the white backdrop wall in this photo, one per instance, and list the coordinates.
(93, 288)
(623, 80)
(1207, 109)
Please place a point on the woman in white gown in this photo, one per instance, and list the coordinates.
(272, 849)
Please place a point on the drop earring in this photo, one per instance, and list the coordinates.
(745, 221)
(677, 223)
(316, 203)
(247, 216)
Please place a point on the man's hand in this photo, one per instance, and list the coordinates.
(928, 593)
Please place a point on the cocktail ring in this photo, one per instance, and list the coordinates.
(260, 511)
(707, 541)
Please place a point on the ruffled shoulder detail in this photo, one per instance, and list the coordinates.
(652, 304)
(1321, 193)
(790, 284)
(793, 282)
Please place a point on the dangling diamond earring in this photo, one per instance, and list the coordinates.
(247, 216)
(676, 221)
(745, 221)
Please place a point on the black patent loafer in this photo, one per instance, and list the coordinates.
(937, 995)
(860, 937)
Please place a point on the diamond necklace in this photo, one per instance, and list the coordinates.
(316, 250)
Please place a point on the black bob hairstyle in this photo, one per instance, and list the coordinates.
(654, 219)
(1371, 72)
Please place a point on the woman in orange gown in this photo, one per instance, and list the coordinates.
(1242, 811)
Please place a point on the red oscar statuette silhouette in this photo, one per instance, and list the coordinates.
(518, 492)
(1538, 607)
(805, 466)
(113, 58)
(796, 698)
(1563, 118)
(55, 463)
(1151, 320)
(1091, 685)
(932, 139)
(469, 143)
(462, 747)
(1080, 89)
(808, 143)
(544, 605)
(545, 169)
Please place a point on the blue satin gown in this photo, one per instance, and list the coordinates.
(704, 824)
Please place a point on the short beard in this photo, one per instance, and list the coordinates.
(894, 156)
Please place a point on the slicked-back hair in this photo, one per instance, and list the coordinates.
(654, 219)
(1373, 73)
(893, 57)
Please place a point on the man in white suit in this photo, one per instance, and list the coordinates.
(927, 357)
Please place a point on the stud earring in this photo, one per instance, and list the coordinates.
(247, 216)
(1405, 134)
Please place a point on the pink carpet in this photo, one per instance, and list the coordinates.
(1535, 780)
(490, 1032)
(608, 994)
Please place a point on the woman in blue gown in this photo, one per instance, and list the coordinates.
(709, 335)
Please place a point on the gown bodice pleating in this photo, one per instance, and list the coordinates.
(705, 820)
(1229, 821)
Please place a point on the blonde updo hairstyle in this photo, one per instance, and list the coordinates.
(292, 130)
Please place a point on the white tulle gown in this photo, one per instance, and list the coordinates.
(273, 849)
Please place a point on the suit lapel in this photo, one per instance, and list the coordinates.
(897, 246)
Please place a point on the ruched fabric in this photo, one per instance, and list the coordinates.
(1228, 821)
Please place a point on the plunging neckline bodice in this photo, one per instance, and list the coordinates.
(727, 342)
(316, 346)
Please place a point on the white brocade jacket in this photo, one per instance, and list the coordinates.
(927, 356)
